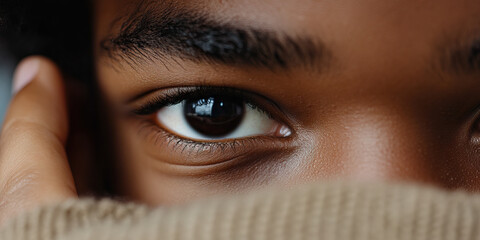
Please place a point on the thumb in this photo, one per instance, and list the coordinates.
(34, 168)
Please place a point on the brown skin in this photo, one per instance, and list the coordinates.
(33, 164)
(381, 111)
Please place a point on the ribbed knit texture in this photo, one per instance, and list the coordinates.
(324, 211)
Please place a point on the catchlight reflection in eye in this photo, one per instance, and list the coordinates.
(218, 118)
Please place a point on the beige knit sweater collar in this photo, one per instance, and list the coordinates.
(319, 211)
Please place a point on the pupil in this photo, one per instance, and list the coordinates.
(214, 116)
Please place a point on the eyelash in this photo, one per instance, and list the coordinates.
(176, 95)
(177, 143)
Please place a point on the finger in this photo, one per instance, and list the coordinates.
(33, 165)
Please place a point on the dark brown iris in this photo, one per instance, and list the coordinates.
(214, 116)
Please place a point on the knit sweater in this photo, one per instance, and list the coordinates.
(318, 211)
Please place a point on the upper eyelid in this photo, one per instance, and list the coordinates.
(175, 95)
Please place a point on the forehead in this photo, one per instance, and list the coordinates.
(347, 24)
(370, 40)
(389, 28)
(316, 15)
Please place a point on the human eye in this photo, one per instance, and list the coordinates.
(214, 114)
(218, 117)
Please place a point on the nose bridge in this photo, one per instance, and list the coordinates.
(381, 145)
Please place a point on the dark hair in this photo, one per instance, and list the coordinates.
(57, 29)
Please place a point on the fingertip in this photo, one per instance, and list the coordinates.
(26, 71)
(31, 68)
(39, 96)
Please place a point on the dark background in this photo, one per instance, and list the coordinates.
(6, 72)
(57, 29)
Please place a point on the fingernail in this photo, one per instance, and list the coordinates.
(24, 74)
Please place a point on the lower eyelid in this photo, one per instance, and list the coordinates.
(206, 154)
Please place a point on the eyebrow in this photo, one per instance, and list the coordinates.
(152, 34)
(162, 30)
(463, 58)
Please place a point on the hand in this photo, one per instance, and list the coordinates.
(34, 169)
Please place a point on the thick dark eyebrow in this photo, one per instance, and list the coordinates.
(461, 57)
(158, 34)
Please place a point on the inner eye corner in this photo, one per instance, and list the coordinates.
(475, 131)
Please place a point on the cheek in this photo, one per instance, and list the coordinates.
(142, 176)
(161, 173)
(354, 150)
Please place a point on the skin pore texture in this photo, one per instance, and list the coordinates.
(370, 90)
